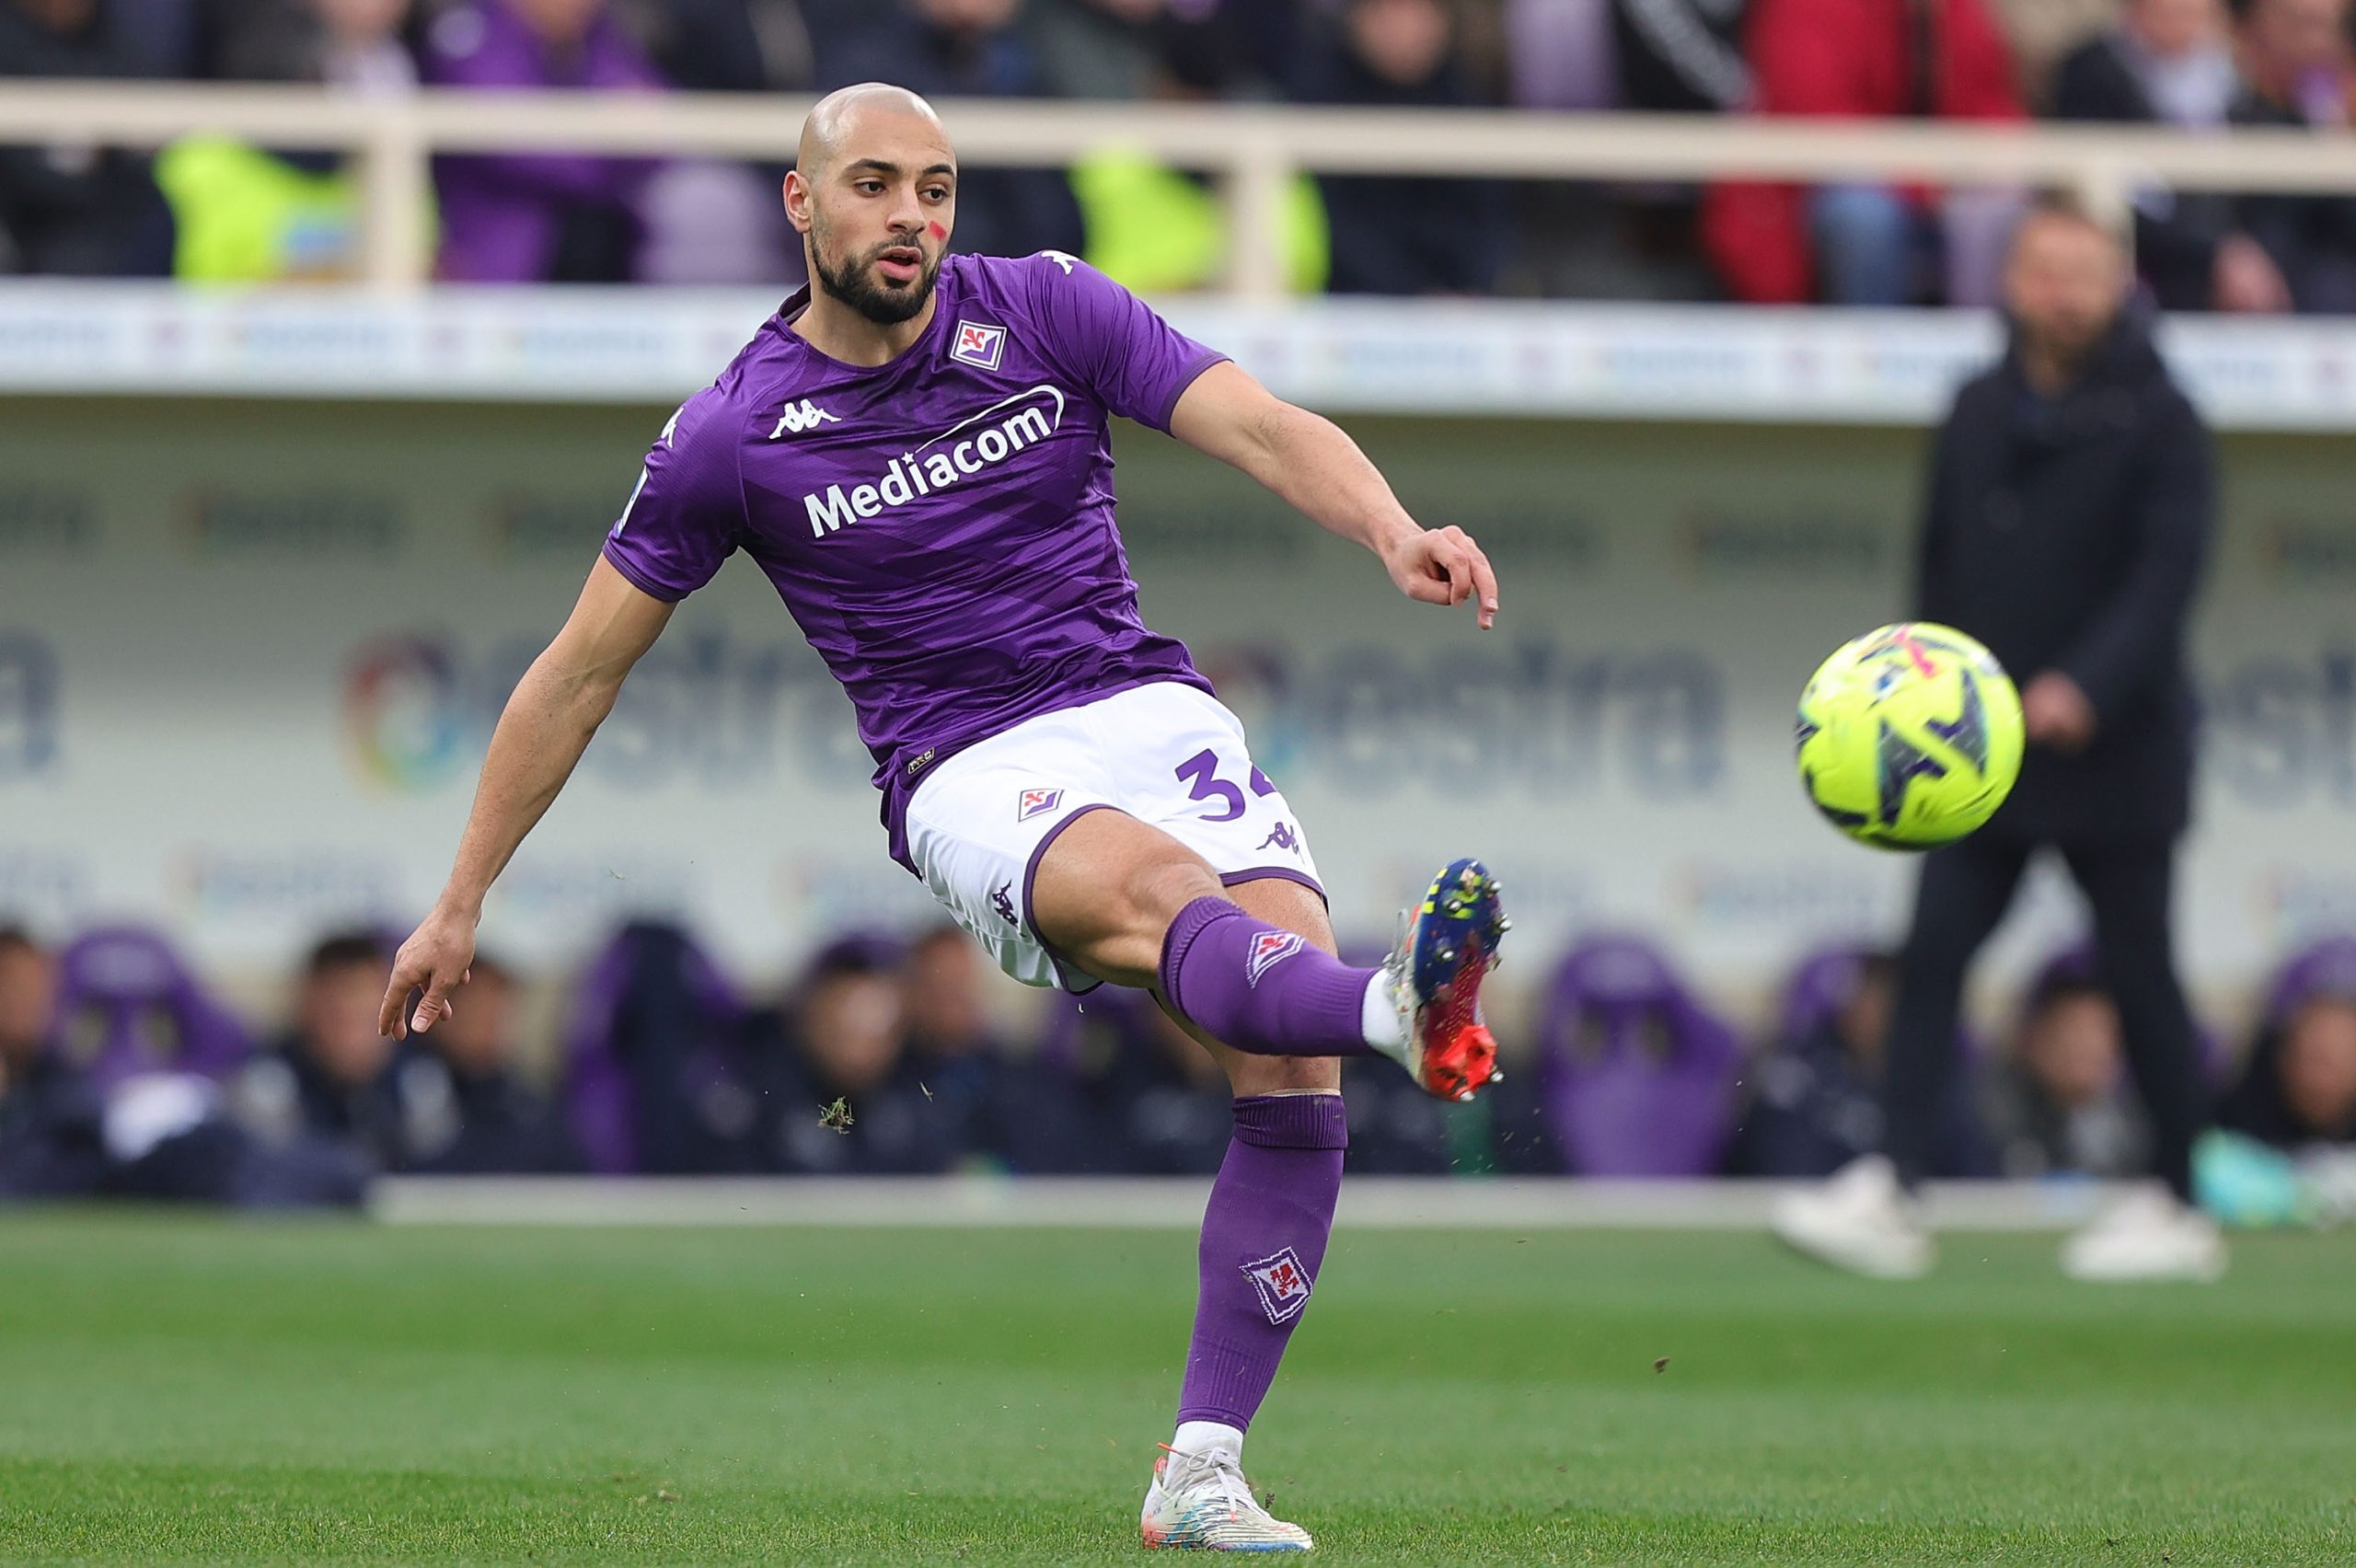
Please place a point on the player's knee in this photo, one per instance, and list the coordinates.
(1159, 890)
(1283, 1074)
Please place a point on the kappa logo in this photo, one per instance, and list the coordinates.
(802, 416)
(1282, 1282)
(1037, 803)
(1283, 837)
(1268, 950)
(1002, 901)
(979, 343)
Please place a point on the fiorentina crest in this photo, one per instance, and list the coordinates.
(1282, 1282)
(1268, 950)
(978, 344)
(1037, 802)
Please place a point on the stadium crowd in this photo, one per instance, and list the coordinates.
(121, 1076)
(208, 207)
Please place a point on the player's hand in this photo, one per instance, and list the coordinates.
(2056, 712)
(1443, 566)
(437, 959)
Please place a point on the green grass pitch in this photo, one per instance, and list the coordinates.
(207, 1390)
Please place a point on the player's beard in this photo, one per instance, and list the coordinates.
(856, 286)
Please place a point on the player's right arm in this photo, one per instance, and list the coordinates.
(545, 726)
(680, 523)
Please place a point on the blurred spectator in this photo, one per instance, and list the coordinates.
(1631, 1076)
(331, 1076)
(955, 48)
(465, 1110)
(654, 1085)
(2299, 1085)
(356, 46)
(2295, 73)
(839, 1092)
(1562, 54)
(71, 207)
(1396, 235)
(1868, 245)
(246, 214)
(1680, 56)
(1815, 1101)
(50, 1115)
(2170, 63)
(2055, 1102)
(1097, 49)
(723, 46)
(1396, 1127)
(708, 222)
(517, 217)
(1144, 1097)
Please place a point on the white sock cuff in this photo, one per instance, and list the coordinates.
(1194, 1436)
(1379, 1017)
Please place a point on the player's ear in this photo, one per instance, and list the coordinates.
(797, 200)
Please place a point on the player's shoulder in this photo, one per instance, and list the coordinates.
(1026, 284)
(768, 362)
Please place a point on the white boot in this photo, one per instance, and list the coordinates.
(2147, 1234)
(1200, 1502)
(1859, 1219)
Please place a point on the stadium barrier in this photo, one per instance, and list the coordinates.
(1256, 150)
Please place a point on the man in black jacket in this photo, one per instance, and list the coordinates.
(2073, 492)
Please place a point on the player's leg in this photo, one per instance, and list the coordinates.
(1859, 1220)
(2130, 888)
(1961, 898)
(1265, 1230)
(1127, 902)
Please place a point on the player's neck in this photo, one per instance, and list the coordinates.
(838, 332)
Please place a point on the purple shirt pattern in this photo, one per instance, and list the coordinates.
(941, 526)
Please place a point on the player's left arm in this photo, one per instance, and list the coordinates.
(1317, 469)
(2121, 651)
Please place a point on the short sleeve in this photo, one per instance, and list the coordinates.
(1135, 363)
(684, 517)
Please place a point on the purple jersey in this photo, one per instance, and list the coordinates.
(941, 526)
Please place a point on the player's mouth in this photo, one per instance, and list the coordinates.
(900, 263)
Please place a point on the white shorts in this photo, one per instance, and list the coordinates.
(1165, 754)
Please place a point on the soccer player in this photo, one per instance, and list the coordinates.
(916, 451)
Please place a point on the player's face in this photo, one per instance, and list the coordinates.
(878, 217)
(2064, 284)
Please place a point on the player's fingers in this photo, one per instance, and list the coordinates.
(389, 1023)
(1426, 584)
(433, 1007)
(1457, 564)
(1484, 585)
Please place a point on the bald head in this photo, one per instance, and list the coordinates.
(840, 117)
(874, 197)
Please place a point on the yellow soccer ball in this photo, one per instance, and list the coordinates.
(1909, 737)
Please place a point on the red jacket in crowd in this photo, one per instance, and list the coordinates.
(1847, 58)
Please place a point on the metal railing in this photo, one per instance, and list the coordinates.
(1255, 150)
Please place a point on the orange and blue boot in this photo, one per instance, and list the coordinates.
(1448, 949)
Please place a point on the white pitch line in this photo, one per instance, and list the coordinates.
(1171, 1203)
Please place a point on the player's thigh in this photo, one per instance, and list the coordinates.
(1105, 891)
(1293, 907)
(1188, 769)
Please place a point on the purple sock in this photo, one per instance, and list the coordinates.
(1263, 1237)
(1261, 988)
